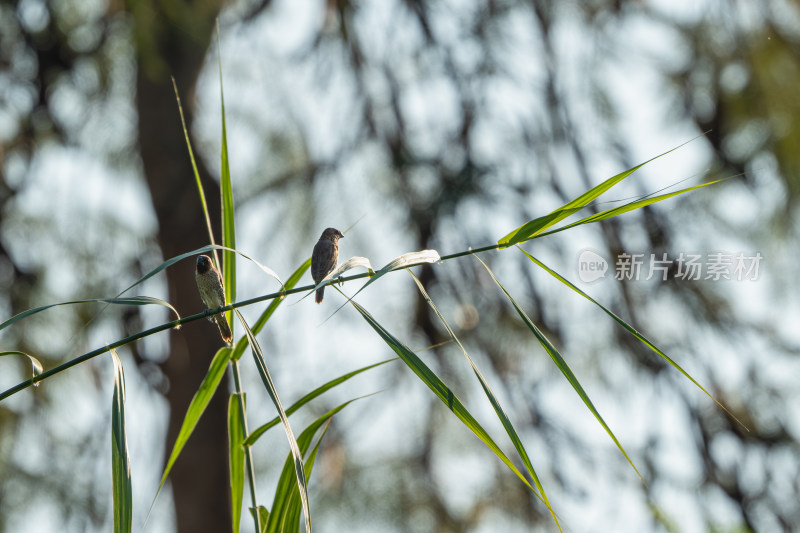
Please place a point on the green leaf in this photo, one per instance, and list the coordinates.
(169, 262)
(197, 179)
(273, 305)
(632, 206)
(36, 365)
(533, 228)
(447, 397)
(285, 515)
(563, 366)
(499, 411)
(263, 371)
(633, 331)
(226, 196)
(129, 300)
(120, 462)
(196, 408)
(291, 522)
(236, 458)
(256, 434)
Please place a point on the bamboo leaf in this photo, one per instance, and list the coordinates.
(447, 397)
(563, 366)
(263, 371)
(633, 331)
(120, 462)
(236, 458)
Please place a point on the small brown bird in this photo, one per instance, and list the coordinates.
(324, 257)
(209, 283)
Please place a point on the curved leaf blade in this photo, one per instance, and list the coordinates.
(633, 331)
(563, 366)
(447, 396)
(196, 409)
(498, 409)
(129, 300)
(36, 365)
(285, 515)
(258, 432)
(533, 228)
(631, 206)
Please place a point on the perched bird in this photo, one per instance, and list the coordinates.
(324, 257)
(209, 283)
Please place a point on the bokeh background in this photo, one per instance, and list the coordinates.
(439, 124)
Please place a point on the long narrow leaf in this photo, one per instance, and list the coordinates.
(120, 462)
(201, 193)
(446, 395)
(196, 409)
(282, 516)
(226, 197)
(129, 300)
(563, 366)
(501, 414)
(291, 522)
(258, 432)
(631, 206)
(531, 229)
(263, 371)
(633, 331)
(171, 261)
(236, 456)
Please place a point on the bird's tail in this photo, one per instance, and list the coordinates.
(224, 329)
(318, 296)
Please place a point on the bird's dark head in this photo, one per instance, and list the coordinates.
(331, 234)
(203, 264)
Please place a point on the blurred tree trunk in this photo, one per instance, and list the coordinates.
(168, 44)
